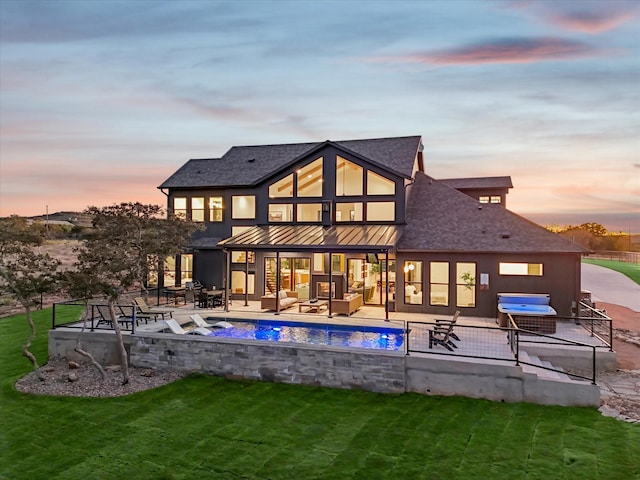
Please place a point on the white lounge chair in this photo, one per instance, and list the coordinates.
(177, 329)
(200, 322)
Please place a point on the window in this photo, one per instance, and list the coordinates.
(238, 282)
(215, 209)
(241, 256)
(294, 275)
(237, 230)
(413, 282)
(186, 268)
(496, 199)
(349, 212)
(180, 207)
(379, 185)
(381, 211)
(243, 206)
(197, 209)
(439, 283)
(169, 272)
(310, 179)
(281, 212)
(465, 284)
(318, 262)
(484, 199)
(349, 177)
(309, 212)
(282, 188)
(338, 262)
(531, 269)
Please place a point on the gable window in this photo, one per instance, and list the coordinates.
(197, 209)
(309, 212)
(439, 283)
(496, 199)
(379, 185)
(281, 212)
(349, 178)
(465, 284)
(530, 269)
(349, 212)
(310, 179)
(381, 211)
(282, 188)
(483, 199)
(215, 209)
(180, 207)
(243, 206)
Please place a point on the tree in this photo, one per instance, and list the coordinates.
(25, 274)
(126, 242)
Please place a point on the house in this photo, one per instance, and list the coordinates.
(322, 219)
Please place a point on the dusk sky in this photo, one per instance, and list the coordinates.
(102, 100)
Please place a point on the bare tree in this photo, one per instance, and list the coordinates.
(126, 242)
(25, 274)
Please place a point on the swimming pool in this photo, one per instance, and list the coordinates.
(377, 338)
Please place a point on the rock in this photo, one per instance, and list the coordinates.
(148, 373)
(73, 365)
(112, 368)
(49, 369)
(72, 377)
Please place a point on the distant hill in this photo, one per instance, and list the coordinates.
(75, 218)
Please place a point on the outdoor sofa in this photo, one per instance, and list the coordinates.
(347, 305)
(286, 299)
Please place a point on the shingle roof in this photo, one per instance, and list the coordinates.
(443, 219)
(478, 182)
(247, 166)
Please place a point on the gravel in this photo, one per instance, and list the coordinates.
(70, 379)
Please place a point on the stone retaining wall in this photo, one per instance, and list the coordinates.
(373, 370)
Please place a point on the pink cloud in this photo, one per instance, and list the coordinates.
(593, 18)
(523, 50)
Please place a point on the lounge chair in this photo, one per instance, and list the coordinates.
(200, 322)
(126, 311)
(151, 311)
(105, 316)
(178, 330)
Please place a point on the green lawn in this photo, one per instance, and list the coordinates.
(631, 270)
(208, 428)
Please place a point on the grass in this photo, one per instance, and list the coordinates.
(208, 427)
(631, 270)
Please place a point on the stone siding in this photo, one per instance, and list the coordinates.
(373, 370)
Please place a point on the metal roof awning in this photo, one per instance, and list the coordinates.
(368, 238)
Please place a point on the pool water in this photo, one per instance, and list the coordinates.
(379, 338)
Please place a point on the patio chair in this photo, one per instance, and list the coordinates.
(178, 330)
(441, 335)
(442, 322)
(200, 322)
(127, 312)
(105, 317)
(151, 311)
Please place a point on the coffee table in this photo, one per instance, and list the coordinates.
(313, 307)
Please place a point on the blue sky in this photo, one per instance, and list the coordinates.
(102, 100)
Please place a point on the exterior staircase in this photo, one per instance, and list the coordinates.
(555, 385)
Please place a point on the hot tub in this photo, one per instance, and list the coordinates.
(528, 310)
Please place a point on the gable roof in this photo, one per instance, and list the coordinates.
(478, 182)
(443, 219)
(249, 165)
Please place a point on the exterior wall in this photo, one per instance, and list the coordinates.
(560, 279)
(209, 263)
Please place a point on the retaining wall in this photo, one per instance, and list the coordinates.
(373, 370)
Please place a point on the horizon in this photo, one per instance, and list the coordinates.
(103, 101)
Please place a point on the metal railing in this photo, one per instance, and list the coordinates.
(628, 257)
(491, 343)
(92, 319)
